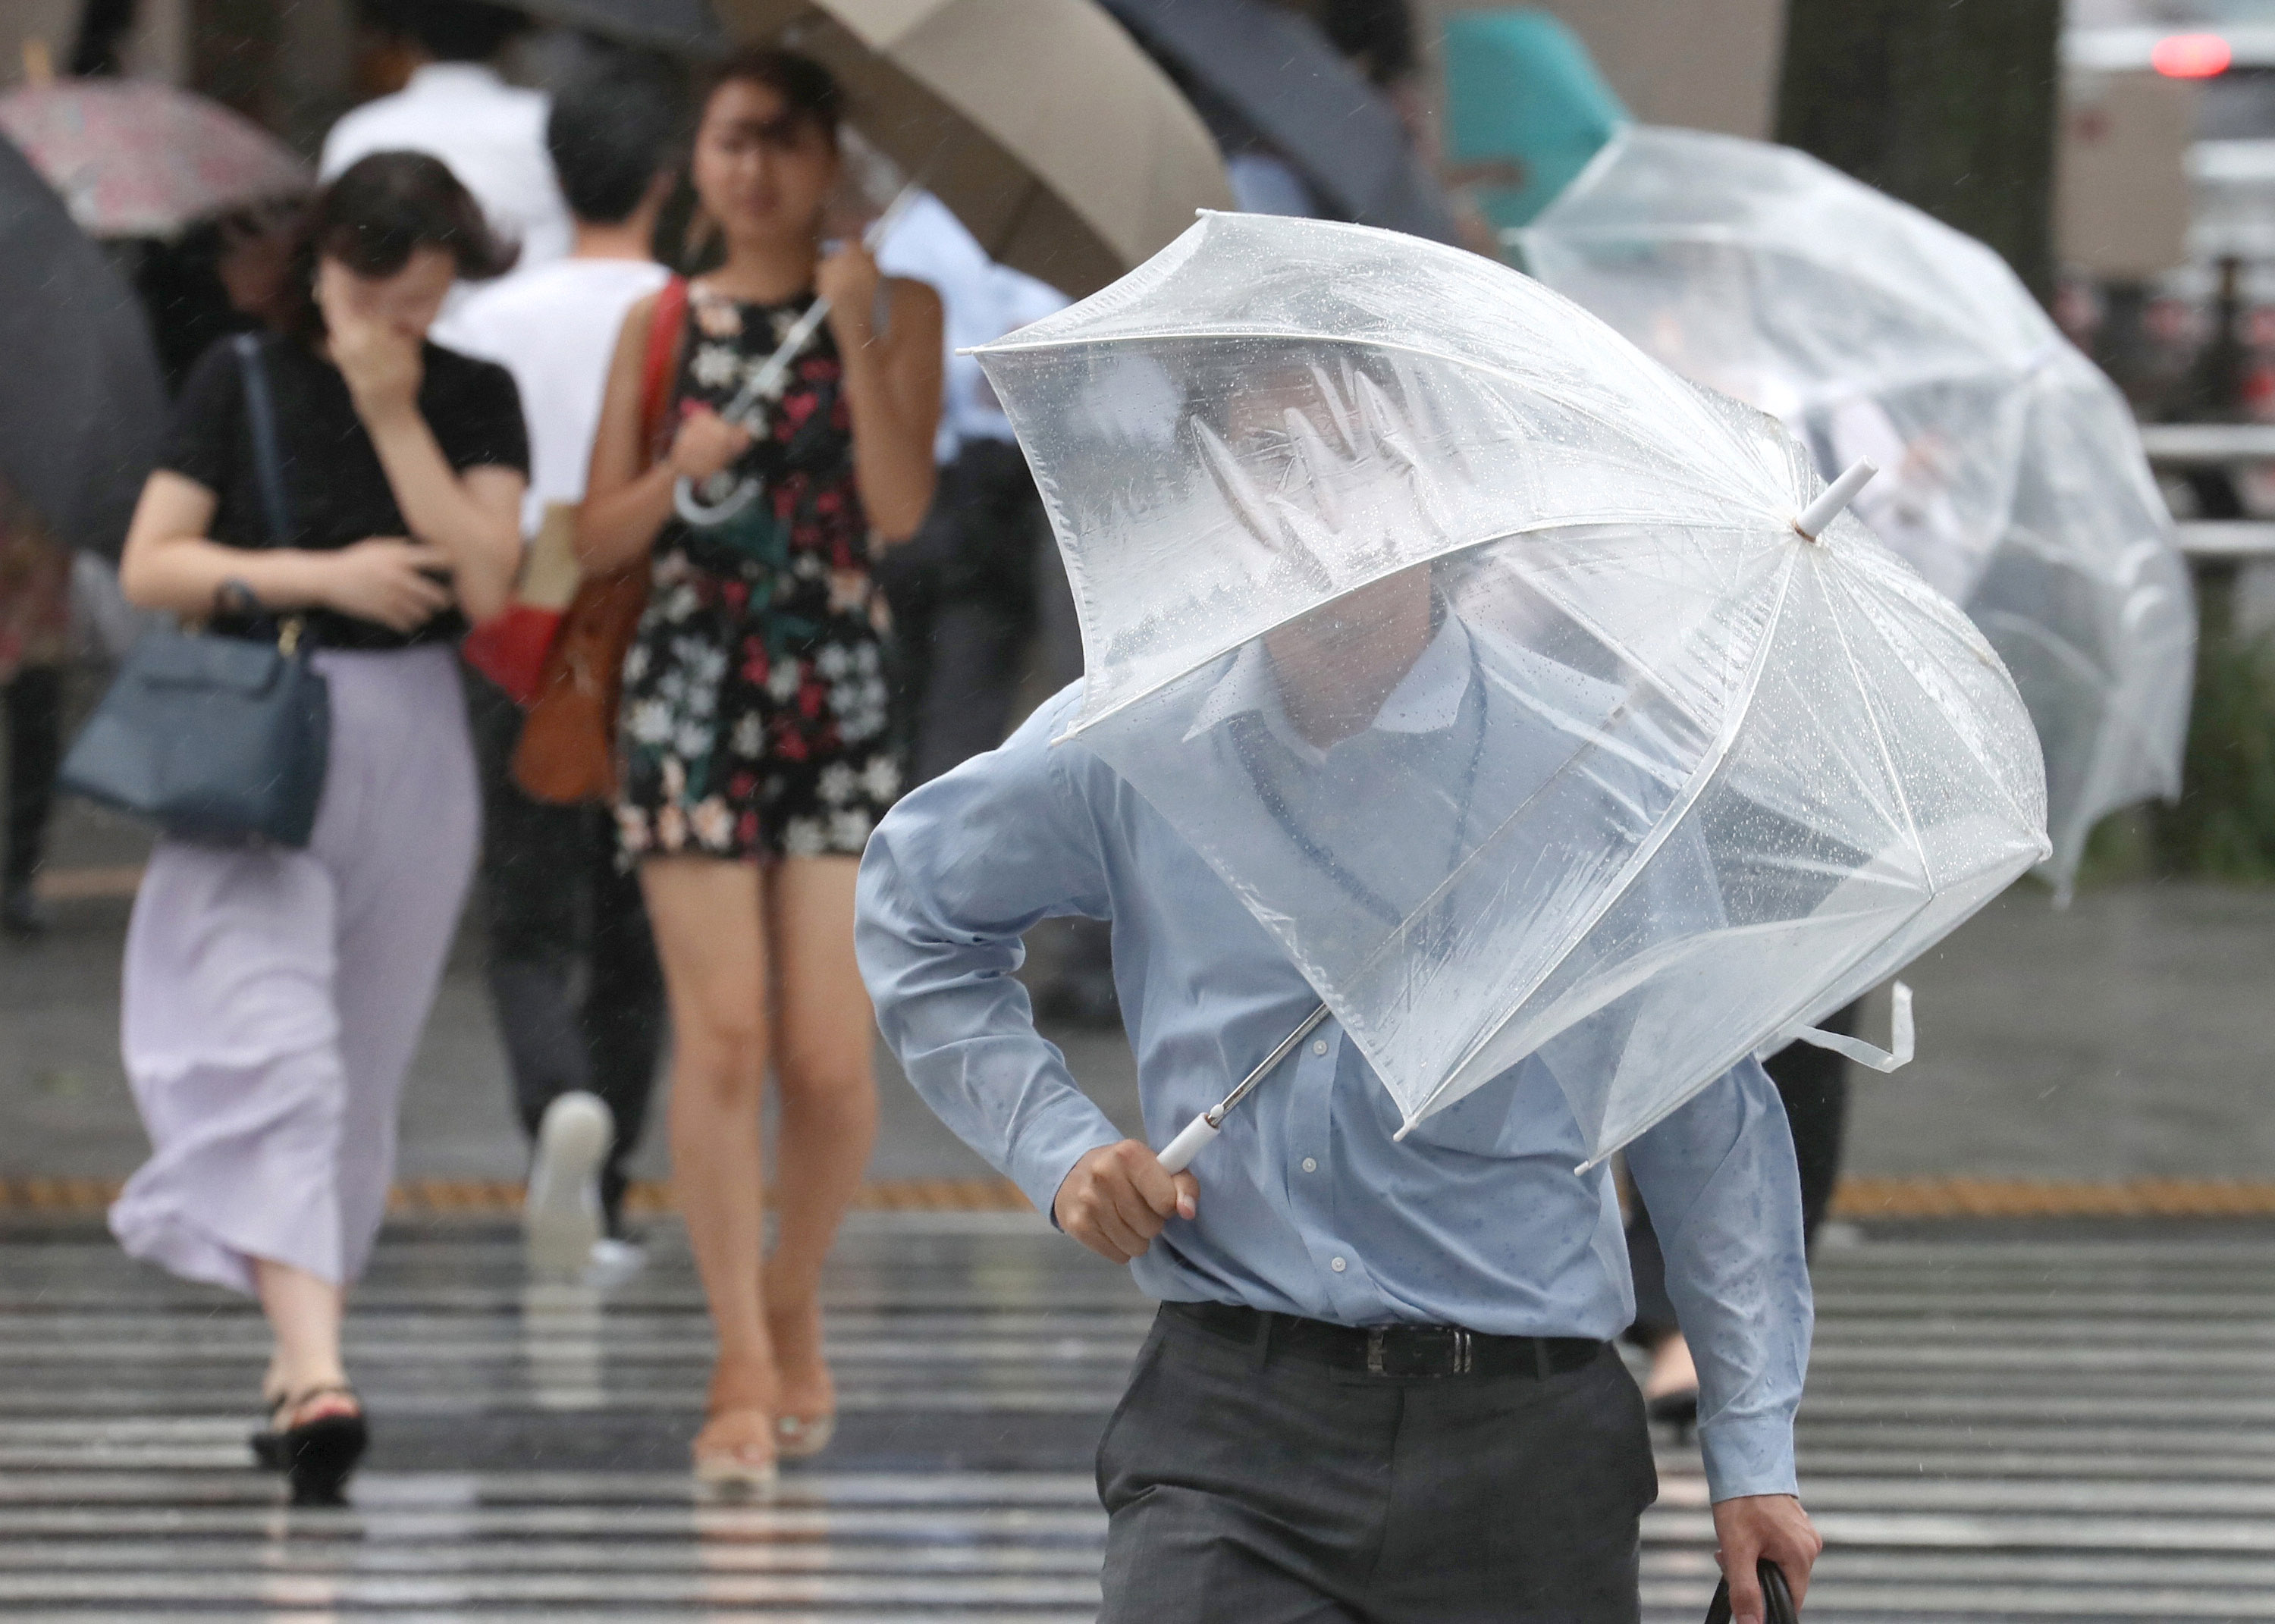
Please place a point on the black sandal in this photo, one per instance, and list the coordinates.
(315, 1456)
(1678, 1410)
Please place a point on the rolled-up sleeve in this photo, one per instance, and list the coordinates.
(953, 878)
(1720, 1183)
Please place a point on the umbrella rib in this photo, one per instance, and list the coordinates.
(1595, 737)
(1792, 1012)
(1684, 390)
(1705, 775)
(1604, 635)
(1989, 770)
(1592, 736)
(1720, 235)
(1561, 522)
(2010, 372)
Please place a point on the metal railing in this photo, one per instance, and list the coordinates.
(2198, 445)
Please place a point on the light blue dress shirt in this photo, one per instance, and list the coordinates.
(981, 301)
(1307, 1207)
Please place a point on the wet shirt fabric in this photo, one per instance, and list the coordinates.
(1308, 1206)
(335, 491)
(753, 721)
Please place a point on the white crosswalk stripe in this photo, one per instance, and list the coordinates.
(1997, 1429)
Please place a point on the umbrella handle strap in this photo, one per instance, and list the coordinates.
(1181, 1150)
(1899, 1053)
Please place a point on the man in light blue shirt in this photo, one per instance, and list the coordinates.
(1480, 1455)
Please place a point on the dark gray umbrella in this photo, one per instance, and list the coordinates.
(80, 403)
(686, 28)
(1275, 73)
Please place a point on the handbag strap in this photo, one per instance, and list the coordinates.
(261, 413)
(661, 362)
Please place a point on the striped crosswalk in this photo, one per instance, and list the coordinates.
(2020, 1426)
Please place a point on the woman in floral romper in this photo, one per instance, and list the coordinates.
(753, 717)
(755, 749)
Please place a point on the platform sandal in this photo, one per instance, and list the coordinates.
(317, 1455)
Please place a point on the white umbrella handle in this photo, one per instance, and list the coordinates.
(1179, 1153)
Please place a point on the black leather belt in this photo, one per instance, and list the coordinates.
(1390, 1350)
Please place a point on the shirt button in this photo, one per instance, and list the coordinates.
(1319, 1045)
(1337, 1264)
(1310, 1165)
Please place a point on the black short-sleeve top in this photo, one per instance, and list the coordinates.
(335, 492)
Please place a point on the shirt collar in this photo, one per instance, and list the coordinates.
(454, 79)
(1426, 699)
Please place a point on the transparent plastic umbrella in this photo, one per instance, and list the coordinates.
(2012, 474)
(1480, 655)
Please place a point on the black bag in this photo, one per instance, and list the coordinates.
(1777, 1598)
(216, 738)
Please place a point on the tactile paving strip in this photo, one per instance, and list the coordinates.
(1863, 1197)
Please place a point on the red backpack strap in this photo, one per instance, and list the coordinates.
(656, 376)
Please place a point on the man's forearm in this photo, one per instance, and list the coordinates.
(1719, 1182)
(961, 1027)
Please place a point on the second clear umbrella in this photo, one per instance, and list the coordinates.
(2013, 477)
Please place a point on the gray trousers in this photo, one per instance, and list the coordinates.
(1268, 1490)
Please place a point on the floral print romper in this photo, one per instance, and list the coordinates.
(753, 721)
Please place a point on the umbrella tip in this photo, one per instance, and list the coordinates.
(1813, 518)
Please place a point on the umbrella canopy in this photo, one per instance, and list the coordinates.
(1275, 74)
(1479, 654)
(1053, 139)
(81, 425)
(134, 158)
(2013, 477)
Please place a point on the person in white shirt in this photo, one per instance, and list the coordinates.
(584, 1058)
(457, 108)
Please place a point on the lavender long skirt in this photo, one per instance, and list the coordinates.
(273, 999)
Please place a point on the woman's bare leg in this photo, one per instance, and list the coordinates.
(304, 1314)
(827, 1099)
(1671, 1368)
(706, 915)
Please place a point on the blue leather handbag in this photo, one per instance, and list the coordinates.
(218, 739)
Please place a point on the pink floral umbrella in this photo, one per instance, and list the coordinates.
(134, 158)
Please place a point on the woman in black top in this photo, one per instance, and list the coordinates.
(272, 998)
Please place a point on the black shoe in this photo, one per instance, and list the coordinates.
(1679, 1410)
(21, 913)
(315, 1456)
